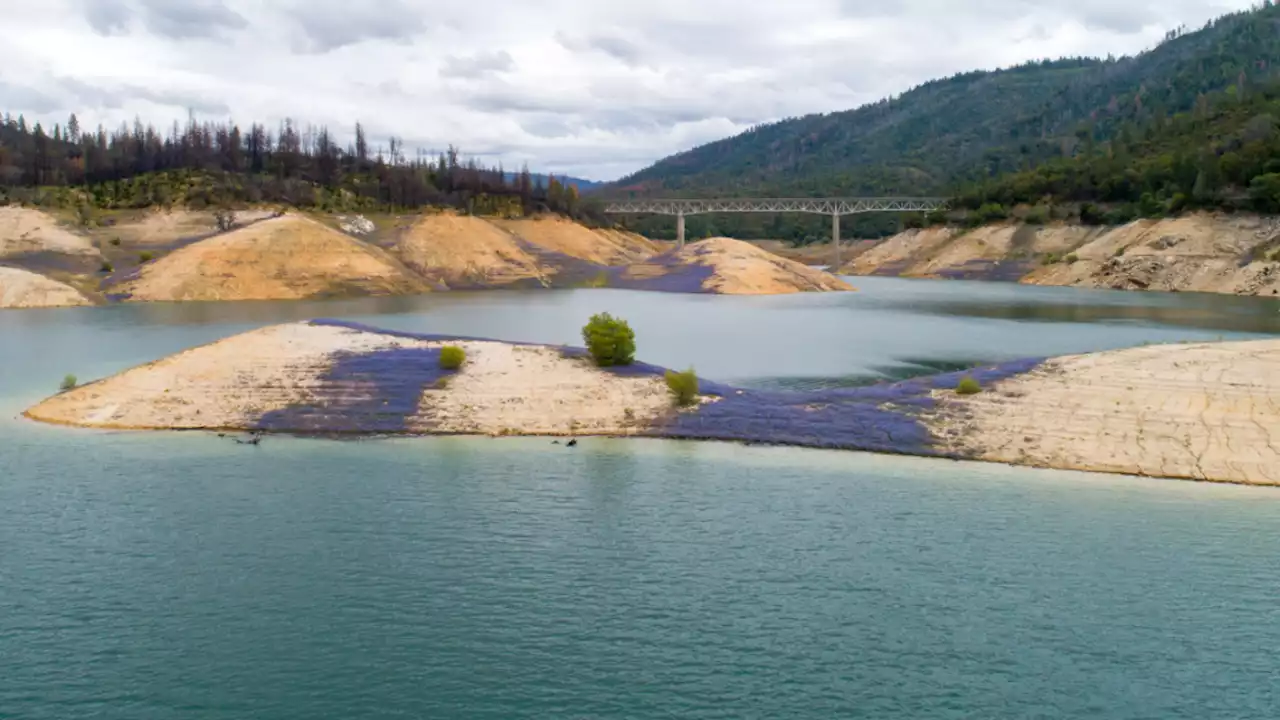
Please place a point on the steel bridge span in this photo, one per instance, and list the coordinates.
(835, 207)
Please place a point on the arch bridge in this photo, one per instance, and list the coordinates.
(835, 207)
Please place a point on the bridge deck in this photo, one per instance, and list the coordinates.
(817, 206)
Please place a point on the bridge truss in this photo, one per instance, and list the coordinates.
(835, 207)
(816, 206)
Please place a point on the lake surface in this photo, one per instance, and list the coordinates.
(183, 576)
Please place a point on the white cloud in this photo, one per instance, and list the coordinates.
(590, 88)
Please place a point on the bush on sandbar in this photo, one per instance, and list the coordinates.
(968, 386)
(610, 340)
(683, 386)
(68, 383)
(452, 357)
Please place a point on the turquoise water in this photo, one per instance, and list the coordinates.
(183, 576)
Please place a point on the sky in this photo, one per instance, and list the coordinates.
(589, 88)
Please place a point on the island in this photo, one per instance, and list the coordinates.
(1208, 412)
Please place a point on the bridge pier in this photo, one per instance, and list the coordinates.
(680, 230)
(835, 241)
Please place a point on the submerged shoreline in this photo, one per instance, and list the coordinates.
(1198, 411)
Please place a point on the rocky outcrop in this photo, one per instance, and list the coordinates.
(24, 289)
(726, 266)
(1201, 253)
(1203, 412)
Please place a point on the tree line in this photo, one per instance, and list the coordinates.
(220, 163)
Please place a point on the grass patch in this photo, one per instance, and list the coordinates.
(968, 386)
(452, 357)
(144, 258)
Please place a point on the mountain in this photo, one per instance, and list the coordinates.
(540, 178)
(961, 130)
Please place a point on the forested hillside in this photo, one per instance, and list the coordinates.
(1224, 154)
(952, 134)
(212, 164)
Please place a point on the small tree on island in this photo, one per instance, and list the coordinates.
(683, 387)
(610, 340)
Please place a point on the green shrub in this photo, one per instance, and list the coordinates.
(968, 386)
(683, 386)
(144, 258)
(1073, 258)
(1049, 259)
(68, 383)
(610, 340)
(1038, 215)
(115, 242)
(106, 267)
(452, 357)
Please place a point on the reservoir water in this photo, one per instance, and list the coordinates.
(183, 576)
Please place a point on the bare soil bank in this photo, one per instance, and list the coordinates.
(1204, 412)
(1197, 253)
(183, 255)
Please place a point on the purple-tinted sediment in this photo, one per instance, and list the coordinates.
(375, 392)
(378, 393)
(878, 418)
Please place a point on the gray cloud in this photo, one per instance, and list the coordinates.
(108, 17)
(615, 46)
(181, 19)
(477, 65)
(332, 24)
(595, 89)
(24, 99)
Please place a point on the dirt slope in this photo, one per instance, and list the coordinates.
(601, 247)
(24, 289)
(24, 230)
(162, 227)
(284, 258)
(728, 267)
(461, 251)
(1204, 253)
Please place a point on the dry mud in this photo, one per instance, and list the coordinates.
(1202, 412)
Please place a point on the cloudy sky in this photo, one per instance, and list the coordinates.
(593, 88)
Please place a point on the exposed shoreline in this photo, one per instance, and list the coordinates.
(1202, 252)
(189, 256)
(1206, 411)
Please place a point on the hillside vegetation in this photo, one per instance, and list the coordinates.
(220, 165)
(978, 134)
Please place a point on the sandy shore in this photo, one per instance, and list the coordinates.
(23, 289)
(1202, 412)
